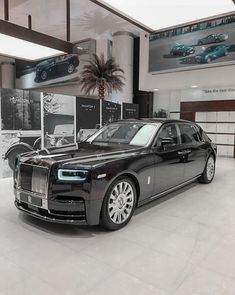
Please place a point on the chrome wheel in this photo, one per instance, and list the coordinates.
(210, 168)
(70, 68)
(121, 202)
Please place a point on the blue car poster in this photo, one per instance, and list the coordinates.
(198, 45)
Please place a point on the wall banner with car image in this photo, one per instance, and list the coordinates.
(56, 70)
(31, 121)
(198, 45)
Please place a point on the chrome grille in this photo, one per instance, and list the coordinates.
(33, 178)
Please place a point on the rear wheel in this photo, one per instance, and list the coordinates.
(209, 171)
(71, 68)
(119, 204)
(43, 75)
(209, 59)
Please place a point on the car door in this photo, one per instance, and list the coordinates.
(169, 165)
(194, 151)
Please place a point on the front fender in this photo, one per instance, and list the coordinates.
(18, 146)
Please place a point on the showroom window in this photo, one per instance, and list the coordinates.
(188, 134)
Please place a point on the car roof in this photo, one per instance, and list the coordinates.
(155, 120)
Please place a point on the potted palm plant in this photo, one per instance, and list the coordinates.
(101, 75)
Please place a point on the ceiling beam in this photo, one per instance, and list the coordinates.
(19, 32)
(6, 10)
(68, 33)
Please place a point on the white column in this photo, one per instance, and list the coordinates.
(123, 53)
(102, 47)
(8, 75)
(1, 160)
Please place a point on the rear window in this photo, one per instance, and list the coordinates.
(188, 133)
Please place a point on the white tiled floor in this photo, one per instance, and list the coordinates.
(182, 244)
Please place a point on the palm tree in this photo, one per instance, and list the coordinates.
(102, 75)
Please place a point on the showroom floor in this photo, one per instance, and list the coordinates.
(182, 244)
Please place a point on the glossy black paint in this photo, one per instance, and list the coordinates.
(154, 172)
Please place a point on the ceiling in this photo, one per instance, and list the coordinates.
(88, 20)
(159, 14)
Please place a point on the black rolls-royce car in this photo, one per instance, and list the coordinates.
(122, 166)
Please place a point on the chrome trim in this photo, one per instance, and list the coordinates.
(46, 218)
(38, 196)
(175, 188)
(46, 183)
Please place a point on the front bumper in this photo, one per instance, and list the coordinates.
(81, 212)
(46, 216)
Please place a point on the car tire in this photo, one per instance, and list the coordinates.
(12, 157)
(119, 204)
(200, 43)
(209, 171)
(44, 75)
(184, 54)
(209, 59)
(226, 53)
(70, 69)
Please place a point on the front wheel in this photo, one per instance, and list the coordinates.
(209, 171)
(119, 204)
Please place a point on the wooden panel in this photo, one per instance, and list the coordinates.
(190, 116)
(208, 106)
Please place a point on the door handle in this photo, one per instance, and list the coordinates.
(184, 152)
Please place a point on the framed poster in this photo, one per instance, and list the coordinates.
(130, 111)
(58, 120)
(198, 45)
(110, 112)
(87, 117)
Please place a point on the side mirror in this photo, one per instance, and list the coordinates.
(166, 141)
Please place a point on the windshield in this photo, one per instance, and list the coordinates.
(139, 134)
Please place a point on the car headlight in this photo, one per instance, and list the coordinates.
(72, 175)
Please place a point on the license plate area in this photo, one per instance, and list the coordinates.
(31, 200)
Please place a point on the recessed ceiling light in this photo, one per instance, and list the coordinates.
(156, 89)
(23, 43)
(161, 14)
(194, 86)
(22, 49)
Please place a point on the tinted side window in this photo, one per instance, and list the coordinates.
(188, 133)
(168, 131)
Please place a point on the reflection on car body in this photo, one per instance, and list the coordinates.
(122, 166)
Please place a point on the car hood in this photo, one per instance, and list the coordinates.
(81, 155)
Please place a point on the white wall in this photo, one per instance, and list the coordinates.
(170, 99)
(222, 76)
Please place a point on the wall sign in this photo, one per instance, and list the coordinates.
(110, 112)
(130, 111)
